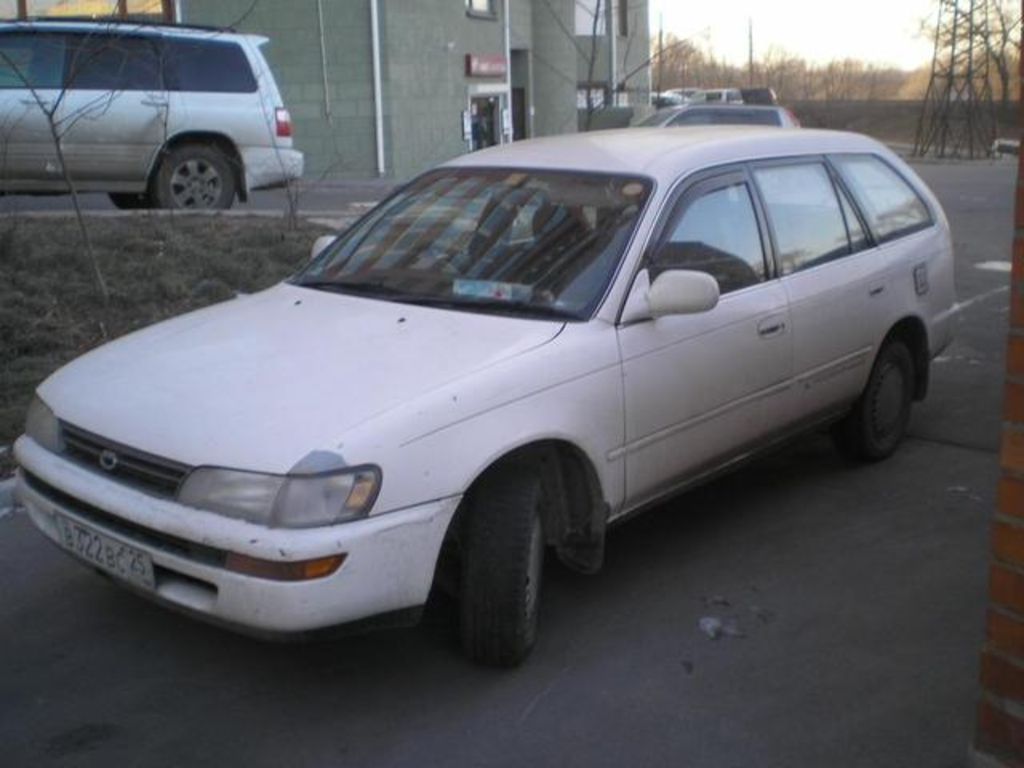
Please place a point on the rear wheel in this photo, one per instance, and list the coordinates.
(878, 420)
(195, 177)
(502, 565)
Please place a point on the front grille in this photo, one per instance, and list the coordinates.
(135, 468)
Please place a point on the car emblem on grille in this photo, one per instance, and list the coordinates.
(108, 460)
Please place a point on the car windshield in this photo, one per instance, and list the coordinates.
(517, 242)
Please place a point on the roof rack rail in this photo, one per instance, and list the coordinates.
(127, 21)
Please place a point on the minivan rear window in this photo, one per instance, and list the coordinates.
(211, 66)
(891, 205)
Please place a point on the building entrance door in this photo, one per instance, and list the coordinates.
(485, 118)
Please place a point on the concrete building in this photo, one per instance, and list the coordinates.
(391, 87)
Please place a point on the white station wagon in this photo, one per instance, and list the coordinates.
(514, 351)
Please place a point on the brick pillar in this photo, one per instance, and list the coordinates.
(999, 733)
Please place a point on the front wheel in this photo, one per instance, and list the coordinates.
(502, 564)
(878, 420)
(195, 177)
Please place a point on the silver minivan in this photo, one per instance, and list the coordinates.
(154, 115)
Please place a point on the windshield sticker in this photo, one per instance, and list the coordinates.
(489, 289)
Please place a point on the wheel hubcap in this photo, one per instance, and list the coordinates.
(195, 184)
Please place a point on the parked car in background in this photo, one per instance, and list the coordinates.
(676, 97)
(724, 95)
(511, 353)
(765, 96)
(721, 114)
(154, 115)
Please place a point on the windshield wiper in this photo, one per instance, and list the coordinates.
(475, 304)
(361, 288)
(515, 308)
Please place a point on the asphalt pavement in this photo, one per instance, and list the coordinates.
(854, 596)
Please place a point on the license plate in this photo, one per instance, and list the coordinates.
(113, 556)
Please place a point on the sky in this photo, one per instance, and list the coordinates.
(878, 31)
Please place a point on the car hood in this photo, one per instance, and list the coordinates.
(259, 382)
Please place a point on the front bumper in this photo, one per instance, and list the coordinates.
(389, 565)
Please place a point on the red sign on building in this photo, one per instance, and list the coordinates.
(486, 65)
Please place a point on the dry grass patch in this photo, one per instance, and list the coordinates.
(155, 267)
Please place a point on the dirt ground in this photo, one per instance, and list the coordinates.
(155, 267)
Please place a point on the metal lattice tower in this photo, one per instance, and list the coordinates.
(958, 116)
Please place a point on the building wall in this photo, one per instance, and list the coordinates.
(425, 86)
(632, 51)
(334, 128)
(554, 67)
(426, 44)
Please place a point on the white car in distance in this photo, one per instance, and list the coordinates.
(512, 352)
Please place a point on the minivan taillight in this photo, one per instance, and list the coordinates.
(283, 123)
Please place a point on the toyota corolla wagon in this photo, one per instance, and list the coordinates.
(514, 351)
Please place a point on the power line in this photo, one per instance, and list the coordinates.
(958, 115)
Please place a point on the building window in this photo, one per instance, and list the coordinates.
(483, 8)
(157, 10)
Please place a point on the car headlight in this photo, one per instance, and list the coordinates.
(283, 501)
(42, 426)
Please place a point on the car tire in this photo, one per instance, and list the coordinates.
(195, 177)
(130, 201)
(877, 423)
(502, 565)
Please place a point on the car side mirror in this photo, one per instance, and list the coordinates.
(682, 292)
(321, 243)
(673, 292)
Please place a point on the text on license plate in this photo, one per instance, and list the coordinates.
(113, 556)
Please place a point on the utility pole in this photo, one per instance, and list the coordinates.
(750, 51)
(661, 48)
(958, 115)
(613, 53)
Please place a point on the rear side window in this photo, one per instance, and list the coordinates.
(716, 233)
(805, 215)
(211, 66)
(891, 205)
(113, 63)
(29, 60)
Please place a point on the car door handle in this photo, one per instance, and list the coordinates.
(768, 328)
(878, 290)
(153, 103)
(29, 102)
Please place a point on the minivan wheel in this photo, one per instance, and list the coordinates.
(502, 565)
(195, 177)
(878, 420)
(130, 201)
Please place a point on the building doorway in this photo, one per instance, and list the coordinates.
(485, 121)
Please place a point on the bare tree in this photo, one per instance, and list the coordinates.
(57, 124)
(1002, 43)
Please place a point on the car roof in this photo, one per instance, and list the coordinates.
(698, 106)
(118, 26)
(665, 153)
